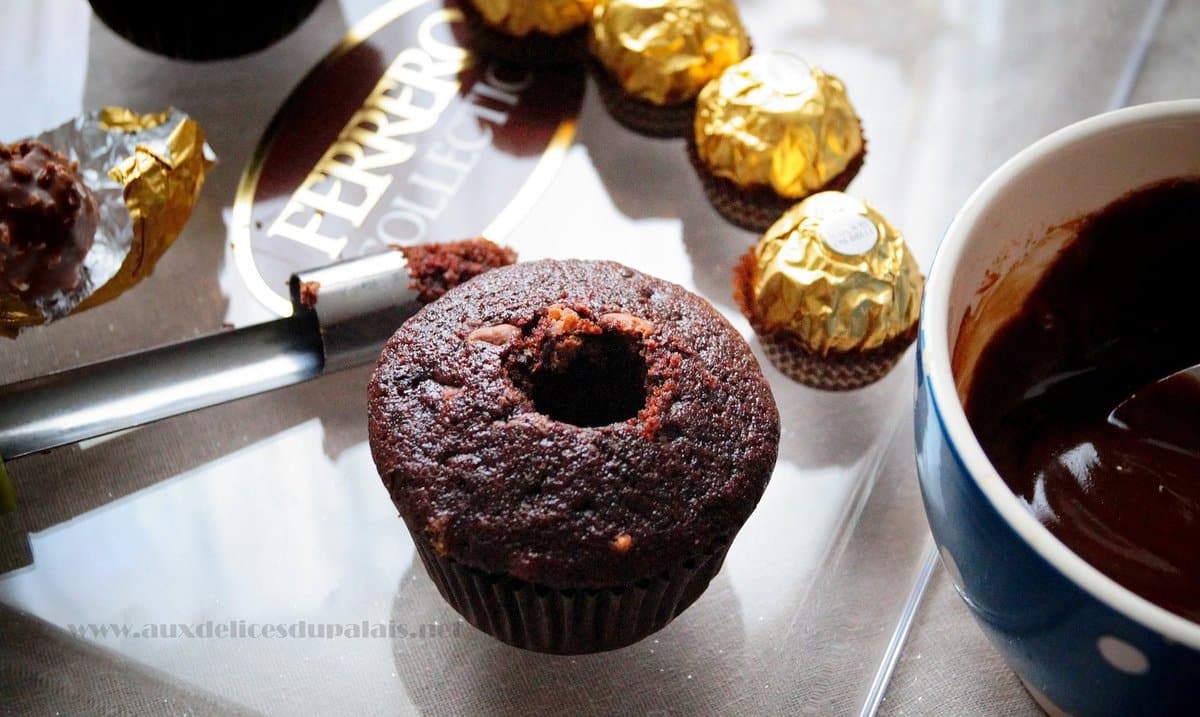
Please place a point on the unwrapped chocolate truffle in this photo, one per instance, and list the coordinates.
(76, 236)
(48, 220)
(770, 131)
(529, 32)
(651, 58)
(832, 291)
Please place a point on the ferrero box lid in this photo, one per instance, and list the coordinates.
(401, 136)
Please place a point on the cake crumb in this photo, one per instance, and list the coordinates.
(436, 528)
(626, 324)
(437, 268)
(622, 543)
(309, 290)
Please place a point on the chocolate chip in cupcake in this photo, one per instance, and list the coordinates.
(651, 58)
(529, 32)
(770, 131)
(48, 220)
(832, 291)
(573, 445)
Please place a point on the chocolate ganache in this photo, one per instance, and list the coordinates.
(1115, 313)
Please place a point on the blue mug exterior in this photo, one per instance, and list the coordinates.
(1076, 654)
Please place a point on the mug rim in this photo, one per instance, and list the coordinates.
(935, 358)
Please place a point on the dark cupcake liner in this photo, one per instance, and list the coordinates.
(213, 30)
(536, 49)
(757, 207)
(641, 116)
(569, 622)
(836, 372)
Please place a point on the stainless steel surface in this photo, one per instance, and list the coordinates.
(69, 406)
(360, 303)
(1147, 398)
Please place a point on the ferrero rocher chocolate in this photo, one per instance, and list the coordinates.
(48, 219)
(835, 275)
(145, 172)
(666, 51)
(773, 120)
(522, 17)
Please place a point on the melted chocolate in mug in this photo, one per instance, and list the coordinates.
(1119, 309)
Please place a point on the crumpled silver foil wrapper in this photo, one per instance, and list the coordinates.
(145, 172)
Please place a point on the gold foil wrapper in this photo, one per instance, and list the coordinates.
(123, 119)
(774, 120)
(146, 172)
(521, 17)
(666, 51)
(8, 497)
(835, 274)
(160, 190)
(16, 315)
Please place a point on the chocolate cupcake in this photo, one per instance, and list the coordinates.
(651, 58)
(832, 291)
(529, 32)
(48, 220)
(208, 30)
(770, 131)
(573, 446)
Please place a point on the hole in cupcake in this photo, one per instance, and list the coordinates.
(583, 372)
(591, 380)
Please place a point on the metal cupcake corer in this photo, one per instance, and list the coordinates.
(359, 304)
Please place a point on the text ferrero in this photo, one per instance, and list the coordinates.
(388, 134)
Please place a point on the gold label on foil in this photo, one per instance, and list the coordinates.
(837, 275)
(850, 234)
(666, 51)
(772, 120)
(521, 17)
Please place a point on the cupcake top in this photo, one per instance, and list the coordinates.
(48, 220)
(522, 17)
(666, 51)
(574, 424)
(833, 273)
(774, 120)
(208, 30)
